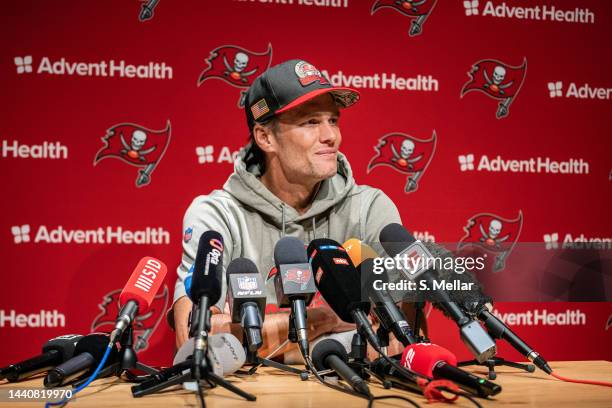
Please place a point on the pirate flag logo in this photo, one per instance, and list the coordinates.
(497, 80)
(406, 154)
(137, 146)
(144, 325)
(417, 10)
(494, 234)
(237, 66)
(299, 276)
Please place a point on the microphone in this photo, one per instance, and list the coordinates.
(225, 353)
(294, 285)
(437, 362)
(137, 295)
(391, 318)
(477, 304)
(388, 372)
(87, 355)
(340, 285)
(330, 354)
(54, 352)
(398, 243)
(247, 299)
(205, 289)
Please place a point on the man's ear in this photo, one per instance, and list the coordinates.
(264, 138)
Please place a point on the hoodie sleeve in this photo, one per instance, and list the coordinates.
(204, 214)
(378, 211)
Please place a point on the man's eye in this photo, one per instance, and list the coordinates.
(312, 122)
(333, 121)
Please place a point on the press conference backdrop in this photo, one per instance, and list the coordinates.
(115, 118)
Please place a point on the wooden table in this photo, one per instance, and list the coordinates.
(275, 389)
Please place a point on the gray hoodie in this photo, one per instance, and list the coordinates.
(251, 219)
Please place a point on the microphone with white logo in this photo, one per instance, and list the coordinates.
(399, 243)
(294, 286)
(205, 289)
(137, 295)
(246, 296)
(437, 362)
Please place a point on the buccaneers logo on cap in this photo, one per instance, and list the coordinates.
(406, 154)
(493, 233)
(137, 146)
(144, 325)
(308, 73)
(236, 66)
(498, 80)
(418, 10)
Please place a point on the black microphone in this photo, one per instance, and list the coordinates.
(88, 353)
(329, 354)
(475, 302)
(294, 285)
(340, 285)
(391, 318)
(246, 295)
(205, 289)
(54, 352)
(388, 372)
(399, 243)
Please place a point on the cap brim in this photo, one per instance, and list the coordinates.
(344, 97)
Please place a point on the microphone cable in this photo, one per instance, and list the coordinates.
(92, 377)
(601, 383)
(371, 398)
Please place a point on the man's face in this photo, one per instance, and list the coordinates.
(307, 139)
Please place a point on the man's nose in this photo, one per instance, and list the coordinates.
(328, 133)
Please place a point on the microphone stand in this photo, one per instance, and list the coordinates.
(253, 358)
(189, 371)
(128, 360)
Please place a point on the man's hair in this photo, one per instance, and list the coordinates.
(258, 156)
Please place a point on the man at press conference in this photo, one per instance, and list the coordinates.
(290, 180)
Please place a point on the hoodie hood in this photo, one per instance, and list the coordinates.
(245, 186)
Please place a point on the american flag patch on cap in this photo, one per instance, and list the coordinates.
(259, 109)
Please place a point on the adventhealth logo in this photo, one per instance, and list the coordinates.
(545, 12)
(498, 164)
(555, 89)
(551, 240)
(466, 162)
(107, 235)
(576, 91)
(21, 233)
(576, 242)
(471, 7)
(24, 64)
(104, 68)
(206, 154)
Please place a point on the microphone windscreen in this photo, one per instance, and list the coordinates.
(206, 280)
(144, 283)
(358, 251)
(422, 357)
(241, 265)
(325, 348)
(289, 250)
(395, 238)
(225, 353)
